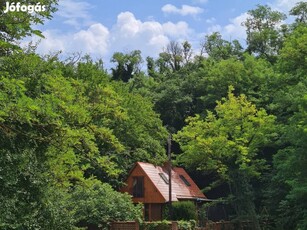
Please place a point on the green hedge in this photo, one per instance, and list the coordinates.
(157, 225)
(166, 225)
(186, 225)
(184, 210)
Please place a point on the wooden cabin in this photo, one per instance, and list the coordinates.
(149, 184)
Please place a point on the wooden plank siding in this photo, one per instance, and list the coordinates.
(151, 193)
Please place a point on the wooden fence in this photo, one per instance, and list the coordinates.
(224, 225)
(131, 225)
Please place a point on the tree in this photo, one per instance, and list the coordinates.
(220, 49)
(172, 57)
(96, 205)
(290, 165)
(17, 25)
(127, 65)
(187, 52)
(290, 83)
(263, 36)
(228, 143)
(300, 11)
(292, 55)
(287, 189)
(57, 132)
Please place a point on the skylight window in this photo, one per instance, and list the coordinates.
(184, 180)
(163, 176)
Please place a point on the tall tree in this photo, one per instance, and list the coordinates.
(220, 49)
(172, 57)
(300, 12)
(228, 143)
(263, 36)
(127, 65)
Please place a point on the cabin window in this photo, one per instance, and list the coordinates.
(163, 176)
(138, 186)
(187, 183)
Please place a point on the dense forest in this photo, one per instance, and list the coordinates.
(70, 130)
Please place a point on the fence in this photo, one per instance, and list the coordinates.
(131, 225)
(224, 225)
(227, 225)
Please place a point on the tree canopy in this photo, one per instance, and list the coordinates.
(70, 131)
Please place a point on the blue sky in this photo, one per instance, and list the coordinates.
(102, 27)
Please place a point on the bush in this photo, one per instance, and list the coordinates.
(97, 204)
(157, 225)
(186, 225)
(184, 210)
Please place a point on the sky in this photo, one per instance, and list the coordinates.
(101, 27)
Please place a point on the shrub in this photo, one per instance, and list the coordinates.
(97, 204)
(157, 225)
(184, 210)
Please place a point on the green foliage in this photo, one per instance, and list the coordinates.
(292, 58)
(58, 131)
(300, 11)
(184, 210)
(290, 164)
(220, 49)
(228, 143)
(16, 25)
(68, 131)
(97, 204)
(228, 140)
(263, 37)
(186, 225)
(156, 225)
(127, 65)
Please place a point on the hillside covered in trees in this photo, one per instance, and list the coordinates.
(70, 130)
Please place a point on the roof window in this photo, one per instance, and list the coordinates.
(163, 176)
(187, 183)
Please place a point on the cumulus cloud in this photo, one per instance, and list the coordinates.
(231, 31)
(284, 5)
(176, 30)
(184, 10)
(130, 33)
(235, 28)
(200, 1)
(211, 20)
(75, 13)
(127, 34)
(94, 40)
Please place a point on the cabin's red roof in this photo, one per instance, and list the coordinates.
(180, 189)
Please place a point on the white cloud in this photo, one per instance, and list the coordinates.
(214, 28)
(284, 5)
(94, 40)
(184, 10)
(151, 36)
(176, 30)
(200, 1)
(127, 34)
(75, 13)
(235, 28)
(211, 20)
